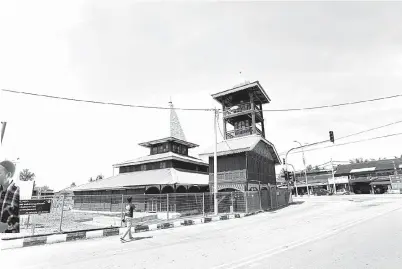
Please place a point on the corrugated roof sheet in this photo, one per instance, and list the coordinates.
(161, 157)
(168, 176)
(238, 145)
(368, 169)
(379, 166)
(234, 145)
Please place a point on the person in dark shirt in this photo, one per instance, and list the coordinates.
(9, 192)
(128, 218)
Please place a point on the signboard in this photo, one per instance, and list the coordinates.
(36, 206)
(338, 180)
(396, 178)
(26, 188)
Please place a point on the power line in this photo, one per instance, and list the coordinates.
(104, 103)
(348, 143)
(336, 105)
(194, 109)
(361, 132)
(371, 129)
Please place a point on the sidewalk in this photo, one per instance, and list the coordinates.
(20, 241)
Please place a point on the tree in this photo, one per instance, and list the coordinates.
(356, 160)
(73, 184)
(316, 168)
(45, 188)
(99, 177)
(90, 180)
(26, 175)
(309, 167)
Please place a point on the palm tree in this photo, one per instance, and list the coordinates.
(26, 175)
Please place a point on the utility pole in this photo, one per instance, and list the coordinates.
(216, 163)
(304, 163)
(333, 177)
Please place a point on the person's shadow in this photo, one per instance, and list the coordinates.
(137, 238)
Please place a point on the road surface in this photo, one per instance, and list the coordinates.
(319, 232)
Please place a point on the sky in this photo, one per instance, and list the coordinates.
(303, 54)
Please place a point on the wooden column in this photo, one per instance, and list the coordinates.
(224, 122)
(252, 112)
(263, 122)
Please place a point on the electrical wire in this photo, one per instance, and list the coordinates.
(105, 103)
(349, 143)
(353, 134)
(371, 129)
(336, 105)
(196, 109)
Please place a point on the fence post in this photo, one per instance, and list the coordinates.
(260, 200)
(167, 206)
(271, 195)
(203, 204)
(276, 197)
(62, 211)
(246, 201)
(122, 210)
(231, 198)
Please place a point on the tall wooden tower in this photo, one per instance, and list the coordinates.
(246, 159)
(242, 110)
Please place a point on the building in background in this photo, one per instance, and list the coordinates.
(42, 191)
(374, 176)
(246, 159)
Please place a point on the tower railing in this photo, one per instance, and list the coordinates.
(241, 107)
(242, 132)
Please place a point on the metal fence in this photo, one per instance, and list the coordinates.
(74, 213)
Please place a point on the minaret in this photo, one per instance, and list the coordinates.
(175, 128)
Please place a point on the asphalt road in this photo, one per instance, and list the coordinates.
(322, 232)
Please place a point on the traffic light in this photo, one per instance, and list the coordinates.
(290, 176)
(286, 176)
(284, 162)
(331, 136)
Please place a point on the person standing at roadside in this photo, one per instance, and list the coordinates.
(9, 193)
(128, 218)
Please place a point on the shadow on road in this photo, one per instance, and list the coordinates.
(297, 203)
(137, 238)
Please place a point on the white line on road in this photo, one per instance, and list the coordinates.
(252, 259)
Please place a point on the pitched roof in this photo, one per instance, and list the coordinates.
(241, 144)
(161, 157)
(175, 127)
(368, 166)
(176, 133)
(256, 86)
(167, 139)
(167, 176)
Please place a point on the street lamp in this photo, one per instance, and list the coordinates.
(304, 163)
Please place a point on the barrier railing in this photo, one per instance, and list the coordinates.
(81, 212)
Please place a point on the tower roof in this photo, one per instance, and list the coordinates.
(176, 133)
(254, 87)
(175, 128)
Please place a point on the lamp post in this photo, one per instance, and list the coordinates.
(304, 163)
(216, 163)
(294, 175)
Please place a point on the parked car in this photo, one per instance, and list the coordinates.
(320, 192)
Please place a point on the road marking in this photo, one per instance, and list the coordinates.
(267, 253)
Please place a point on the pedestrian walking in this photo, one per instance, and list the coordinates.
(128, 218)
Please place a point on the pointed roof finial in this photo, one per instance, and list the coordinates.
(175, 127)
(242, 81)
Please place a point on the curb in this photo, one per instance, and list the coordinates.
(36, 240)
